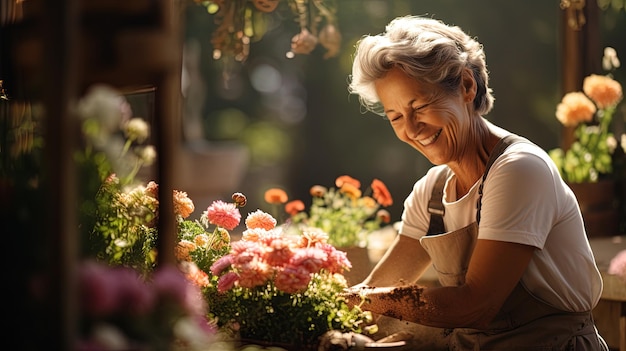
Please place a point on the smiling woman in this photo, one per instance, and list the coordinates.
(493, 216)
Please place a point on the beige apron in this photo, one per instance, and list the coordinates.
(524, 322)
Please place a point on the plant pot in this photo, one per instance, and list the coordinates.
(599, 206)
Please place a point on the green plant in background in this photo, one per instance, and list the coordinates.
(591, 112)
(344, 212)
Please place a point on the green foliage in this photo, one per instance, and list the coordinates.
(268, 314)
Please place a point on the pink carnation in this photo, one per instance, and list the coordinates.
(337, 260)
(312, 259)
(254, 273)
(222, 263)
(292, 279)
(224, 214)
(278, 252)
(618, 265)
(227, 281)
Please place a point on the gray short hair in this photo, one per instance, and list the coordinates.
(425, 49)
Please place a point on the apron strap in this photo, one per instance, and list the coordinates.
(435, 205)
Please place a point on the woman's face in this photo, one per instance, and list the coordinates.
(433, 122)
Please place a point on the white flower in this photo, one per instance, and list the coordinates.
(147, 154)
(137, 130)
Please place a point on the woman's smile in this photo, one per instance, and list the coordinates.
(431, 139)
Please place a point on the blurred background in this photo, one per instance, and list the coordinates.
(301, 126)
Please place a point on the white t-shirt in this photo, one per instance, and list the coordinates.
(524, 201)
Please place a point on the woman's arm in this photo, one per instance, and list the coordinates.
(495, 268)
(403, 263)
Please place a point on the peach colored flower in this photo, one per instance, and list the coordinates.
(223, 214)
(183, 205)
(254, 234)
(312, 237)
(604, 90)
(260, 219)
(253, 274)
(294, 207)
(381, 193)
(194, 274)
(202, 240)
(369, 202)
(341, 180)
(183, 249)
(318, 191)
(292, 279)
(276, 196)
(575, 108)
(350, 190)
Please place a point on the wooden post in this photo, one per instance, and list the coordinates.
(581, 54)
(60, 24)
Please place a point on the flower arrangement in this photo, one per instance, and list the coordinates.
(345, 212)
(271, 286)
(590, 111)
(120, 310)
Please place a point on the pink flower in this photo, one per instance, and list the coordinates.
(254, 273)
(337, 260)
(260, 219)
(223, 214)
(292, 279)
(278, 252)
(98, 289)
(243, 252)
(170, 283)
(222, 263)
(227, 281)
(312, 259)
(617, 266)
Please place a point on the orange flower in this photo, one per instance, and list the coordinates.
(575, 108)
(183, 205)
(276, 196)
(604, 90)
(341, 180)
(369, 202)
(182, 250)
(294, 207)
(381, 193)
(351, 190)
(260, 219)
(318, 190)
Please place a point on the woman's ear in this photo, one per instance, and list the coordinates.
(468, 85)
